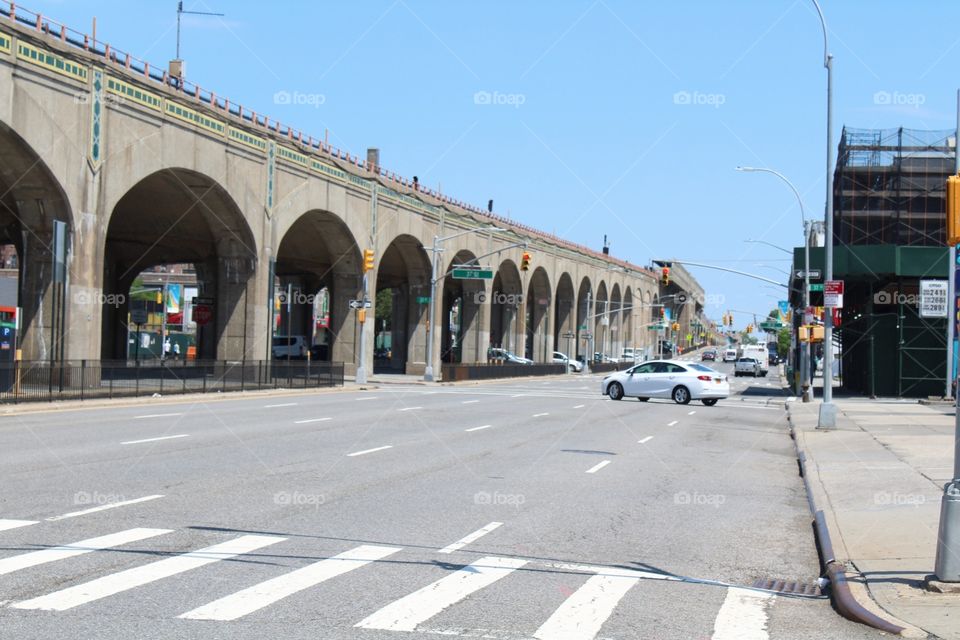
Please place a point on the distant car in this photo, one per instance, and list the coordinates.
(573, 365)
(602, 357)
(709, 354)
(629, 355)
(287, 347)
(678, 381)
(746, 367)
(495, 353)
(774, 360)
(730, 355)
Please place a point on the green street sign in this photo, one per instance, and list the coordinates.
(423, 299)
(770, 326)
(473, 274)
(816, 287)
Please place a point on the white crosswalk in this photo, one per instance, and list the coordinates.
(581, 615)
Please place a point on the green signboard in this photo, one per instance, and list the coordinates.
(423, 299)
(816, 287)
(473, 274)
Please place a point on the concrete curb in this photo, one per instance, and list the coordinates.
(841, 595)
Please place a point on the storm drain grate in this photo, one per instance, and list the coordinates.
(787, 586)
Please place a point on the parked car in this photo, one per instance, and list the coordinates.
(730, 355)
(629, 354)
(774, 359)
(679, 381)
(573, 365)
(287, 347)
(709, 354)
(496, 353)
(602, 357)
(746, 367)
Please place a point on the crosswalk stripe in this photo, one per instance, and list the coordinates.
(743, 615)
(408, 612)
(6, 525)
(583, 613)
(43, 556)
(241, 603)
(138, 576)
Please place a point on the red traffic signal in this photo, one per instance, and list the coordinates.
(525, 261)
(665, 276)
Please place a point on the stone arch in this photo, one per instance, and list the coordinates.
(565, 316)
(506, 301)
(601, 320)
(614, 343)
(584, 321)
(402, 283)
(539, 336)
(464, 302)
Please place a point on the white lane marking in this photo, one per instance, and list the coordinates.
(366, 451)
(792, 399)
(670, 424)
(743, 615)
(473, 537)
(157, 415)
(244, 602)
(103, 507)
(368, 398)
(34, 558)
(409, 408)
(284, 404)
(690, 413)
(408, 612)
(6, 525)
(579, 406)
(312, 420)
(145, 574)
(486, 426)
(519, 395)
(179, 435)
(583, 613)
(750, 406)
(470, 402)
(540, 415)
(598, 466)
(645, 440)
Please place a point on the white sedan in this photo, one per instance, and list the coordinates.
(679, 381)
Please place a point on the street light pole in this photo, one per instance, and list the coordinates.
(828, 411)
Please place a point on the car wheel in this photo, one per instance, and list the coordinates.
(709, 401)
(615, 391)
(643, 399)
(681, 395)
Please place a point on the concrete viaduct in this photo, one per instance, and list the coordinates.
(138, 168)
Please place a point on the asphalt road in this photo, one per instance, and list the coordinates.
(517, 509)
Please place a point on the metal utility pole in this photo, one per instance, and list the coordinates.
(180, 12)
(947, 565)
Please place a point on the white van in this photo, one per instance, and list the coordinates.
(758, 352)
(730, 355)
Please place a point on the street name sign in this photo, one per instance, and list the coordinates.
(473, 274)
(360, 304)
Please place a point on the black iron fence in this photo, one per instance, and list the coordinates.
(489, 370)
(33, 381)
(606, 367)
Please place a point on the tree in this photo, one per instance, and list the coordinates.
(783, 341)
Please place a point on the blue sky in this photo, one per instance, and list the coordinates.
(611, 117)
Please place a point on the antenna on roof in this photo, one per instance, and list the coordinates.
(177, 67)
(606, 246)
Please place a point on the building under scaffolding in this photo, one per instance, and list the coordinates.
(889, 233)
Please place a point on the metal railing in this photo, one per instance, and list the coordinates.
(43, 381)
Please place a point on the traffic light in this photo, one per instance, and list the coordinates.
(525, 261)
(361, 315)
(953, 210)
(367, 260)
(676, 326)
(160, 297)
(665, 276)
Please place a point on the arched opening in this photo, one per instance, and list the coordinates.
(539, 337)
(402, 302)
(629, 309)
(462, 338)
(505, 299)
(168, 222)
(614, 335)
(564, 327)
(316, 274)
(33, 206)
(601, 321)
(584, 321)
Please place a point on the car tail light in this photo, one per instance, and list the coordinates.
(704, 378)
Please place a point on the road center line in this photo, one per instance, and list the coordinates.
(470, 401)
(366, 451)
(410, 408)
(597, 467)
(519, 395)
(670, 424)
(103, 507)
(646, 440)
(540, 415)
(157, 415)
(312, 420)
(486, 426)
(579, 406)
(179, 435)
(284, 404)
(691, 413)
(368, 398)
(473, 537)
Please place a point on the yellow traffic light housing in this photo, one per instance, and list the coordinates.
(525, 261)
(361, 315)
(367, 260)
(953, 210)
(665, 276)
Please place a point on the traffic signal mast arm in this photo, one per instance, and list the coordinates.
(711, 266)
(478, 258)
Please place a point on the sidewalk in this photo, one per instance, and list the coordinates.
(878, 479)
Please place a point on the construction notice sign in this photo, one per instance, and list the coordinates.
(933, 299)
(833, 293)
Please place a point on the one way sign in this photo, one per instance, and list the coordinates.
(360, 304)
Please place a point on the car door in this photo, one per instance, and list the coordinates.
(658, 385)
(637, 380)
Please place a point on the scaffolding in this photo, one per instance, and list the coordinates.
(889, 186)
